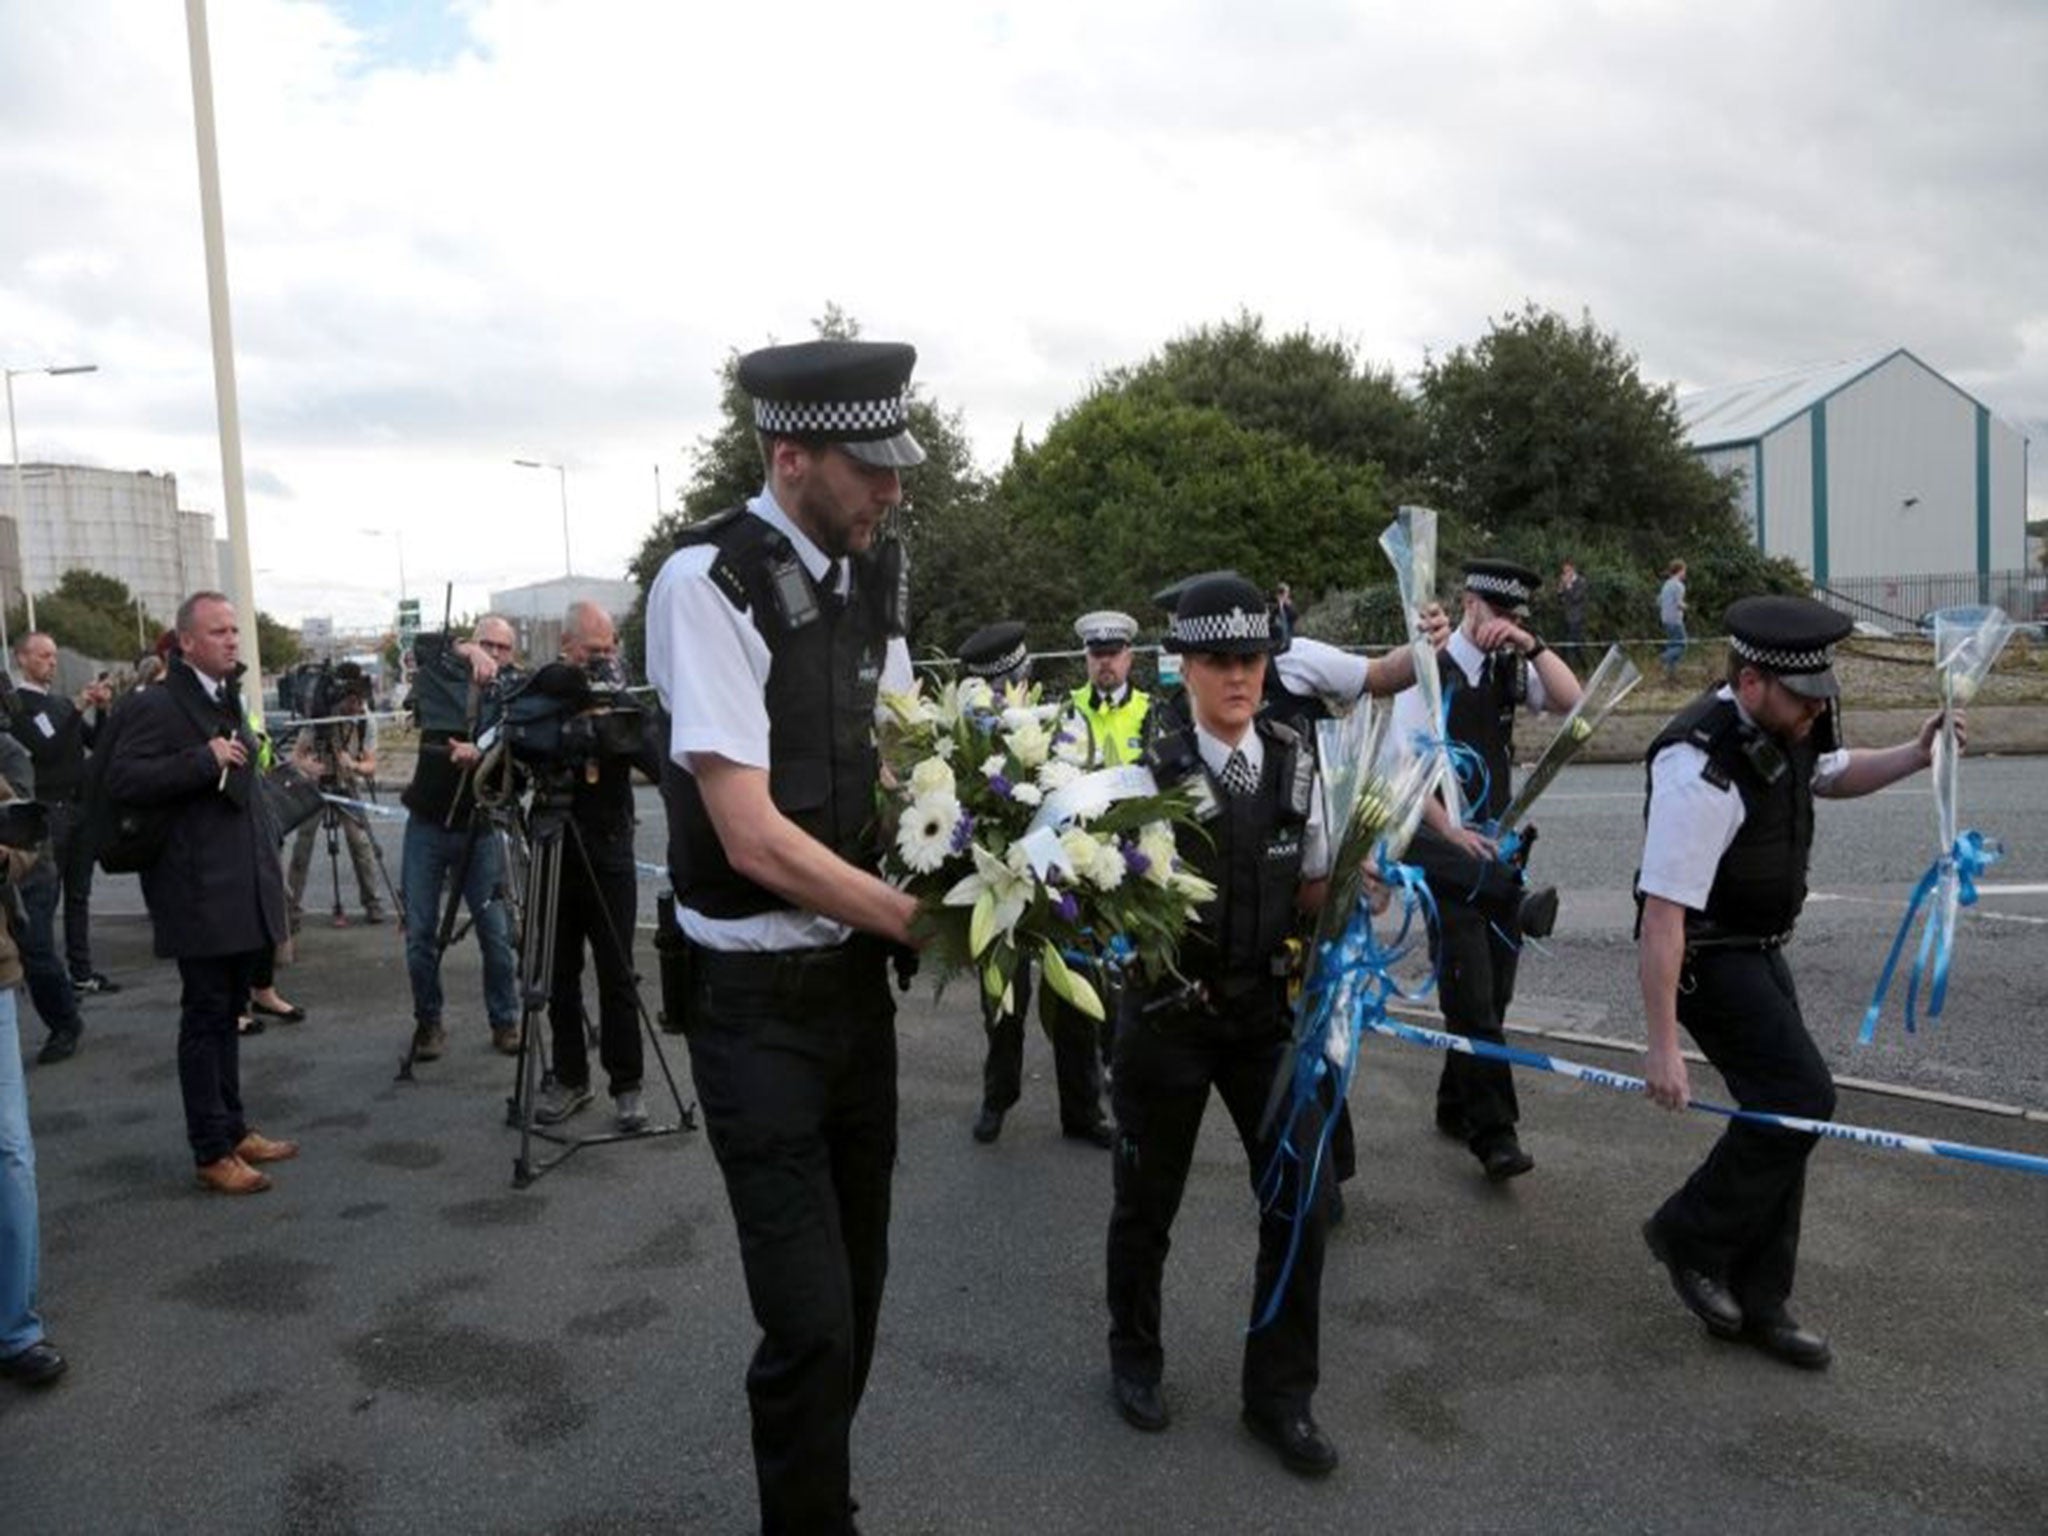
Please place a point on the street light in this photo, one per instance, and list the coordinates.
(14, 447)
(567, 569)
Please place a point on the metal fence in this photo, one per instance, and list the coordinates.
(1899, 601)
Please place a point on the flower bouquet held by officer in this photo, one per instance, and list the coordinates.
(215, 892)
(1225, 1025)
(770, 633)
(1729, 830)
(997, 655)
(1491, 667)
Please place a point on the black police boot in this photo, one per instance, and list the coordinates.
(988, 1125)
(1503, 1158)
(1296, 1438)
(1705, 1297)
(1140, 1403)
(1779, 1335)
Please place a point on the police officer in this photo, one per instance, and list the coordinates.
(1226, 1025)
(769, 633)
(597, 903)
(1491, 667)
(996, 653)
(1113, 710)
(1729, 830)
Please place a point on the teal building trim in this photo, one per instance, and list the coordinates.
(1983, 505)
(1819, 418)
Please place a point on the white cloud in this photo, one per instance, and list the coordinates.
(541, 238)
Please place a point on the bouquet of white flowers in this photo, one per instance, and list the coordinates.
(1014, 849)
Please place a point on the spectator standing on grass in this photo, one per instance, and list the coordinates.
(1671, 614)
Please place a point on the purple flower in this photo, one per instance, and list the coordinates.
(1068, 908)
(1134, 861)
(963, 832)
(1000, 785)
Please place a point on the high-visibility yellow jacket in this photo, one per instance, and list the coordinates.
(1119, 729)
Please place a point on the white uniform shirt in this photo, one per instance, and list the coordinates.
(1693, 820)
(1315, 841)
(710, 665)
(1317, 669)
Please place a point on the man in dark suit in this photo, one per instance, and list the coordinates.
(216, 892)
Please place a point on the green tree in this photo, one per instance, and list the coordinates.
(91, 613)
(1132, 489)
(278, 643)
(726, 470)
(1543, 442)
(1309, 389)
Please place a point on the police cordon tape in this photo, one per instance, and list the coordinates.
(1621, 1082)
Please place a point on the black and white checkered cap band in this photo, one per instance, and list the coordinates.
(1202, 629)
(1794, 662)
(832, 418)
(1497, 586)
(1001, 665)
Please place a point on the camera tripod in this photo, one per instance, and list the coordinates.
(552, 837)
(334, 820)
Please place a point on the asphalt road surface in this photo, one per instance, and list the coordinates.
(397, 1340)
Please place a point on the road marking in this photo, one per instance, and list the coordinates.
(1900, 906)
(2011, 890)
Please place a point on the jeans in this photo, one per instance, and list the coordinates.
(432, 854)
(1674, 647)
(20, 1240)
(49, 985)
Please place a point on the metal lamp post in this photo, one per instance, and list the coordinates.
(567, 568)
(20, 505)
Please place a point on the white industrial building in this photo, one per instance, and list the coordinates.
(1869, 471)
(120, 523)
(536, 610)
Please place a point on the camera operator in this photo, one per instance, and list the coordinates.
(437, 831)
(57, 732)
(597, 905)
(342, 755)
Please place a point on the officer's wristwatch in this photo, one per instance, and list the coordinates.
(1536, 648)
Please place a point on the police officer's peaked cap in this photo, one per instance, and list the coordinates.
(1168, 597)
(1106, 630)
(852, 393)
(1504, 583)
(995, 652)
(1791, 637)
(1222, 615)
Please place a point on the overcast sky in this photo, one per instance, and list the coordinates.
(463, 233)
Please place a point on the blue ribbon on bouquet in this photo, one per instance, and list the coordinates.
(1352, 972)
(1970, 856)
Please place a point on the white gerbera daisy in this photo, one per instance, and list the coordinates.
(924, 837)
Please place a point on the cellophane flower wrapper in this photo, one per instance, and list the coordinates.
(967, 772)
(1372, 803)
(1409, 543)
(1967, 643)
(1612, 681)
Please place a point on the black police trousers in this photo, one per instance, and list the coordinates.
(794, 1058)
(1737, 1217)
(1477, 959)
(1076, 1062)
(596, 908)
(1166, 1062)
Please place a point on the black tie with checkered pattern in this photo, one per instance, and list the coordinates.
(1238, 776)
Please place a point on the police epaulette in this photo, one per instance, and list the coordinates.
(726, 577)
(1717, 775)
(701, 530)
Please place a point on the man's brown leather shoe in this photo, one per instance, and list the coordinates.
(257, 1148)
(231, 1176)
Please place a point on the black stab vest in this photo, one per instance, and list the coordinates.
(1252, 853)
(824, 674)
(1760, 883)
(1298, 712)
(1482, 717)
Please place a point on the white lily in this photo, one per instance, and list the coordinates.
(998, 893)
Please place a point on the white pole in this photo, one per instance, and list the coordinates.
(562, 470)
(20, 523)
(223, 337)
